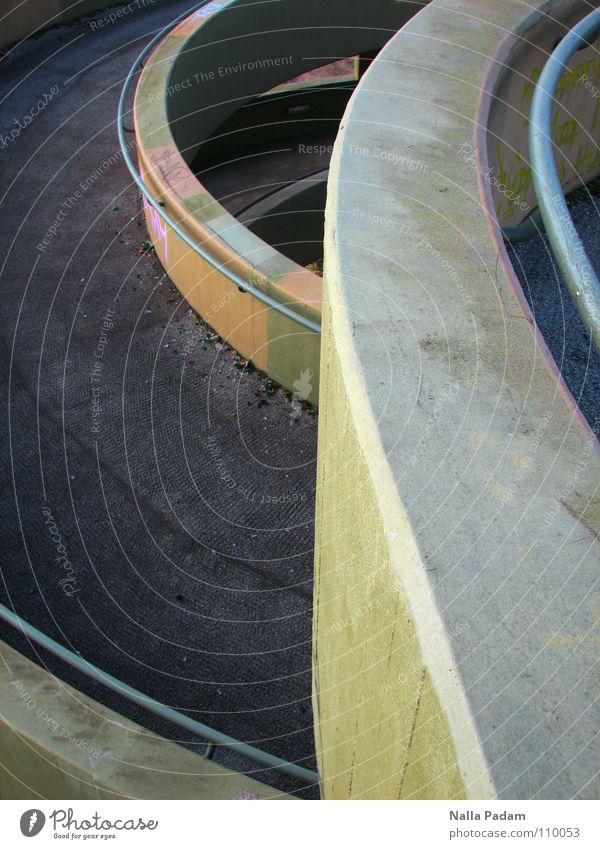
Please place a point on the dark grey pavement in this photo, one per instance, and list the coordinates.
(180, 487)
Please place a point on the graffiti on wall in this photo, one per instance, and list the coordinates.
(158, 231)
(575, 126)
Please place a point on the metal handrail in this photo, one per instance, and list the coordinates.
(567, 247)
(206, 256)
(147, 702)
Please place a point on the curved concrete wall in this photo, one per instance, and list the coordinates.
(58, 744)
(458, 519)
(244, 49)
(208, 67)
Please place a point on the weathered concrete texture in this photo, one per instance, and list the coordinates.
(181, 488)
(478, 481)
(56, 743)
(379, 734)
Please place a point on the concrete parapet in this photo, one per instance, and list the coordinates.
(457, 553)
(57, 743)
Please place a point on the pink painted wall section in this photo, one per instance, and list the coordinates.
(158, 231)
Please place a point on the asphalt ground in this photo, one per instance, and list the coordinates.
(181, 485)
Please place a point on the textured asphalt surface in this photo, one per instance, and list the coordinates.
(181, 488)
(555, 313)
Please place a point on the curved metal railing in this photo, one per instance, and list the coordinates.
(215, 738)
(240, 282)
(567, 247)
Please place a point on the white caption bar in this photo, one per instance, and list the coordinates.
(299, 825)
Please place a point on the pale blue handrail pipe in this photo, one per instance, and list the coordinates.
(306, 776)
(568, 249)
(242, 284)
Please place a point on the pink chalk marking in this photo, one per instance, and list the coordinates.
(158, 228)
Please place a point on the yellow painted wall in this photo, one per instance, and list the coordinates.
(380, 731)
